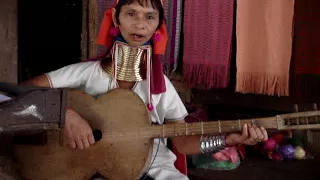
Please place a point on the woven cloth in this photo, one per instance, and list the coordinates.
(306, 49)
(208, 26)
(264, 46)
(173, 17)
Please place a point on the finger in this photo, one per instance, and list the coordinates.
(91, 139)
(70, 141)
(264, 132)
(85, 142)
(252, 133)
(259, 133)
(72, 144)
(245, 131)
(79, 143)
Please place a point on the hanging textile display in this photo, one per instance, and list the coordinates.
(264, 46)
(207, 30)
(306, 46)
(173, 16)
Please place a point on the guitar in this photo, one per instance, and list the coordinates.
(125, 149)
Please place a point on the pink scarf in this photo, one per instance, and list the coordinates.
(264, 43)
(208, 29)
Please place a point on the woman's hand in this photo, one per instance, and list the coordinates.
(77, 131)
(250, 135)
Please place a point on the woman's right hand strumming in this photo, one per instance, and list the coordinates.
(77, 131)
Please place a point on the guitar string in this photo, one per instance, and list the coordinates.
(181, 129)
(146, 173)
(211, 126)
(234, 124)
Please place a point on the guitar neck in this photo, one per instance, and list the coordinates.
(301, 120)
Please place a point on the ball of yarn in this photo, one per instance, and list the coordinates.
(276, 157)
(269, 154)
(278, 138)
(299, 153)
(270, 144)
(286, 151)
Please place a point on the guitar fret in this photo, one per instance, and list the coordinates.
(232, 126)
(187, 133)
(163, 131)
(219, 126)
(202, 132)
(315, 108)
(278, 119)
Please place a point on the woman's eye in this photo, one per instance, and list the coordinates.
(150, 17)
(131, 14)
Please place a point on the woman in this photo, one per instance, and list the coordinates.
(137, 26)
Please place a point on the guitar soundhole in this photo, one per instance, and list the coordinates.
(97, 134)
(98, 176)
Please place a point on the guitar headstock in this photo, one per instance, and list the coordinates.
(299, 120)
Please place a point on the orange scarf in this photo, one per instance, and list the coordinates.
(264, 43)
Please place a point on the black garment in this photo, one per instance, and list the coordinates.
(144, 177)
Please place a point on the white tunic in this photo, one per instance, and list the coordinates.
(92, 79)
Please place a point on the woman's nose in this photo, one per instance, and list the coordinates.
(139, 23)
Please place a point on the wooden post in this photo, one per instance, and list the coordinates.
(93, 25)
(8, 72)
(89, 29)
(9, 41)
(84, 33)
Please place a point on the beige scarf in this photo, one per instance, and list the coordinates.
(264, 44)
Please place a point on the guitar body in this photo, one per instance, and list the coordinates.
(117, 112)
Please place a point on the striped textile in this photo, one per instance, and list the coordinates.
(207, 27)
(173, 17)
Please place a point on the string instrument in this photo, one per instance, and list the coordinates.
(125, 149)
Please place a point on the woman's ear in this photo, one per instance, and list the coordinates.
(114, 19)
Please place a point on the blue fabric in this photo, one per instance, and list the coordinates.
(121, 39)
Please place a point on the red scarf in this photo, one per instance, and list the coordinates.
(305, 70)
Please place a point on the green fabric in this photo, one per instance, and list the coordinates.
(206, 161)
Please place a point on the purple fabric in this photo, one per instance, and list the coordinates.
(208, 27)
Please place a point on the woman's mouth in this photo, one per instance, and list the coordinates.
(137, 37)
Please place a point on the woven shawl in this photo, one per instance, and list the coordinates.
(173, 17)
(264, 46)
(208, 26)
(306, 49)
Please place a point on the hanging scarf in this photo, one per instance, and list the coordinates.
(306, 49)
(264, 43)
(207, 43)
(173, 15)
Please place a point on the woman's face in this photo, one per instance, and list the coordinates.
(138, 23)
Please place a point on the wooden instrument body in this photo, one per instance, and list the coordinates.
(125, 150)
(118, 111)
